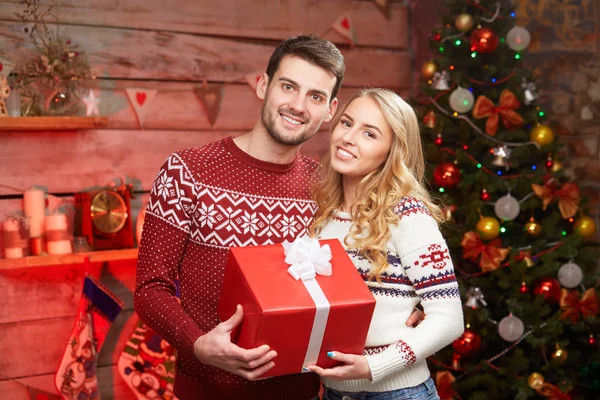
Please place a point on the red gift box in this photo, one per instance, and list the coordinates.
(279, 311)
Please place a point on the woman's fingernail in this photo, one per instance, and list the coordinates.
(330, 354)
(305, 369)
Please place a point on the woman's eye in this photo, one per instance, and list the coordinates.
(370, 134)
(345, 123)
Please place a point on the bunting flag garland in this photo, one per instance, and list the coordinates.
(485, 108)
(6, 67)
(75, 377)
(140, 100)
(567, 195)
(253, 78)
(489, 255)
(574, 309)
(344, 27)
(210, 96)
(384, 7)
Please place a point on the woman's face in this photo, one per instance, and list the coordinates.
(361, 141)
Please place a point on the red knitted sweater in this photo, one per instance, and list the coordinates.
(203, 201)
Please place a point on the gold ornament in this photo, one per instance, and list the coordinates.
(556, 166)
(535, 380)
(560, 355)
(528, 262)
(542, 135)
(533, 228)
(585, 227)
(488, 228)
(463, 22)
(428, 69)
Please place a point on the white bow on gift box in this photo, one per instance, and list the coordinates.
(308, 258)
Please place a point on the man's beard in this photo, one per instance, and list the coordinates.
(269, 122)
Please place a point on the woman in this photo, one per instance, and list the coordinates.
(372, 199)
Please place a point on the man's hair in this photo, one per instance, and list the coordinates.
(312, 49)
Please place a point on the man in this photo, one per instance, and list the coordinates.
(251, 190)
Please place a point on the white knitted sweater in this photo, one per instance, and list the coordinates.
(419, 270)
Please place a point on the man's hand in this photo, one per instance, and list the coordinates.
(415, 318)
(215, 348)
(353, 367)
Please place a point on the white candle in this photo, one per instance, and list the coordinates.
(34, 206)
(11, 228)
(58, 240)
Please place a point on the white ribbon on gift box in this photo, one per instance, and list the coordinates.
(309, 258)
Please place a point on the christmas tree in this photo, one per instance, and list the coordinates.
(520, 236)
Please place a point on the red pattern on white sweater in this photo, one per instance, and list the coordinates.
(203, 201)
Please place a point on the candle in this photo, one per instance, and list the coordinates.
(34, 206)
(58, 240)
(15, 240)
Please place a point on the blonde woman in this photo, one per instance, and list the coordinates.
(372, 199)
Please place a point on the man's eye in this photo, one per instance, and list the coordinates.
(287, 87)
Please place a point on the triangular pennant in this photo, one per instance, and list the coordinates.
(345, 27)
(38, 394)
(384, 7)
(140, 100)
(6, 66)
(253, 78)
(210, 97)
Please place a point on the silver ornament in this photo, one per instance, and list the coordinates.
(507, 208)
(570, 275)
(511, 328)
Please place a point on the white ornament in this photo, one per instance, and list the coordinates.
(507, 208)
(511, 328)
(461, 100)
(518, 38)
(91, 104)
(570, 275)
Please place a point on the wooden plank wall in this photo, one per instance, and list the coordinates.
(171, 47)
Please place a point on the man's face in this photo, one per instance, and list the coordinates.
(297, 101)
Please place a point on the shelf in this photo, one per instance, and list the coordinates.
(75, 258)
(51, 123)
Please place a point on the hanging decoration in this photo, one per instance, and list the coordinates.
(489, 255)
(532, 227)
(429, 119)
(570, 275)
(585, 227)
(518, 38)
(384, 7)
(140, 100)
(446, 175)
(511, 328)
(542, 135)
(549, 288)
(345, 27)
(484, 40)
(535, 380)
(467, 344)
(210, 96)
(428, 69)
(567, 196)
(574, 308)
(488, 228)
(461, 100)
(501, 156)
(474, 297)
(485, 108)
(440, 80)
(507, 208)
(91, 104)
(464, 22)
(530, 93)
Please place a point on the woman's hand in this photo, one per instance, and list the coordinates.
(353, 367)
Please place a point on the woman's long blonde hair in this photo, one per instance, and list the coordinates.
(380, 191)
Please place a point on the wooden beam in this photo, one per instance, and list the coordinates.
(51, 123)
(271, 20)
(75, 258)
(137, 54)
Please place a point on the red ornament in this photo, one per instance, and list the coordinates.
(592, 341)
(438, 139)
(468, 344)
(446, 175)
(550, 288)
(484, 40)
(524, 288)
(485, 195)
